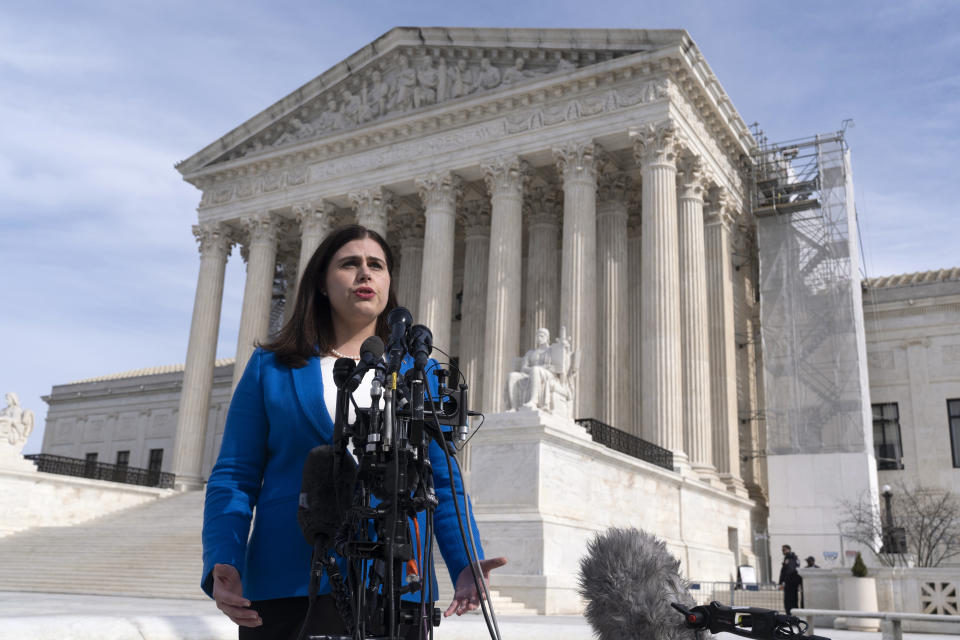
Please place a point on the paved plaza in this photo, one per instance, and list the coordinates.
(50, 616)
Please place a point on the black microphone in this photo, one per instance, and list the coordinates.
(370, 353)
(398, 320)
(419, 345)
(324, 496)
(629, 581)
(342, 369)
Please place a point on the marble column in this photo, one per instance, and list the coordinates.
(634, 251)
(215, 244)
(291, 274)
(476, 224)
(439, 193)
(660, 286)
(258, 290)
(542, 288)
(695, 352)
(475, 220)
(577, 164)
(407, 285)
(613, 375)
(316, 221)
(504, 177)
(723, 347)
(373, 206)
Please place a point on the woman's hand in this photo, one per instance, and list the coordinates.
(228, 594)
(465, 596)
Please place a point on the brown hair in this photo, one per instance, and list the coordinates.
(309, 332)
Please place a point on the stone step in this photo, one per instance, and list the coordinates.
(151, 550)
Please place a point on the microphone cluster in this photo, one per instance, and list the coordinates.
(390, 479)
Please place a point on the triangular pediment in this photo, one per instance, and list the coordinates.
(411, 69)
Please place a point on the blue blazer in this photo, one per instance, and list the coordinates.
(276, 417)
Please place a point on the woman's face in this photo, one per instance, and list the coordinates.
(357, 282)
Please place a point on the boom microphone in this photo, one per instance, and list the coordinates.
(629, 581)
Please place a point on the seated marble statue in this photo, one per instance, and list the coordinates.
(542, 379)
(16, 423)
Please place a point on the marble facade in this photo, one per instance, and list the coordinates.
(512, 171)
(585, 180)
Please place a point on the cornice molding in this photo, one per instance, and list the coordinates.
(556, 98)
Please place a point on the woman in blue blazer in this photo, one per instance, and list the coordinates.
(281, 409)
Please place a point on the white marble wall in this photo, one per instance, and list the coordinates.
(37, 499)
(555, 488)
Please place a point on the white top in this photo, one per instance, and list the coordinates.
(361, 395)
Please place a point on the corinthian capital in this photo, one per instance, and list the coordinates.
(578, 160)
(719, 209)
(505, 175)
(439, 189)
(261, 229)
(214, 238)
(375, 201)
(475, 217)
(543, 205)
(409, 226)
(654, 143)
(690, 177)
(613, 185)
(314, 218)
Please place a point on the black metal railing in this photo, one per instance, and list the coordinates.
(101, 471)
(627, 443)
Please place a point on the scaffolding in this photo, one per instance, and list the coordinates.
(814, 374)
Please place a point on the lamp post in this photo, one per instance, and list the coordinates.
(887, 530)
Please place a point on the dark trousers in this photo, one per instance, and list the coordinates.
(791, 594)
(283, 617)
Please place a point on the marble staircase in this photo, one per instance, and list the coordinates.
(151, 550)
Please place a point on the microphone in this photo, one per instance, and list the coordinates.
(324, 496)
(370, 353)
(398, 320)
(419, 345)
(629, 581)
(342, 369)
(634, 591)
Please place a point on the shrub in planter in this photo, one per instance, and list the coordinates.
(859, 569)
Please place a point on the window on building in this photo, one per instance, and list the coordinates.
(953, 413)
(886, 436)
(90, 466)
(156, 460)
(120, 471)
(153, 470)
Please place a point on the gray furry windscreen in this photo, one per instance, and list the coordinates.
(629, 579)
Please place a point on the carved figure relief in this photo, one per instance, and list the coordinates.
(543, 378)
(407, 85)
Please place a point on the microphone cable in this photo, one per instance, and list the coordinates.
(472, 556)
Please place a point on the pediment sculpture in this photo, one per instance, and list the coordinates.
(544, 377)
(404, 83)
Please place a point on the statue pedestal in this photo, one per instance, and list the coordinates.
(541, 488)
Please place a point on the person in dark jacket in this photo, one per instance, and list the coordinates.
(790, 580)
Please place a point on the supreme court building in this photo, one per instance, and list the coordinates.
(585, 179)
(592, 182)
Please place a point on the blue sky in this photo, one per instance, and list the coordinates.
(98, 100)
